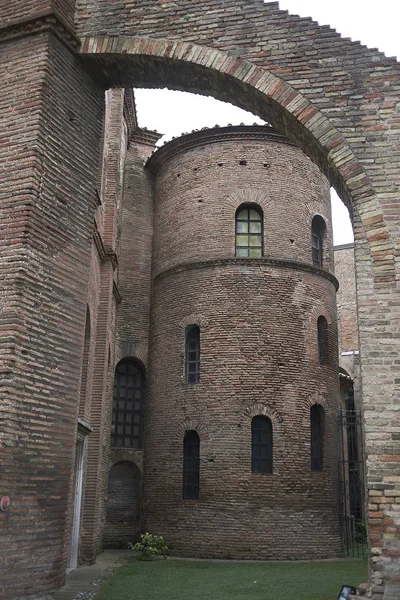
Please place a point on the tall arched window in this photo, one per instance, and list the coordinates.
(129, 385)
(192, 354)
(191, 466)
(261, 445)
(318, 229)
(322, 331)
(249, 231)
(317, 418)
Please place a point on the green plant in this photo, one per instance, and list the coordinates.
(361, 532)
(150, 546)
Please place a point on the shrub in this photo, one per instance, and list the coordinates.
(150, 546)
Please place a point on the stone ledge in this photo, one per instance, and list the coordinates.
(37, 23)
(263, 261)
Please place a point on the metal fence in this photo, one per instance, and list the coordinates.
(352, 481)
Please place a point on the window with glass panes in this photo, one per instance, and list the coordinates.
(317, 236)
(249, 231)
(317, 437)
(128, 405)
(261, 445)
(192, 354)
(322, 332)
(191, 466)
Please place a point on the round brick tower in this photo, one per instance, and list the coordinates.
(241, 434)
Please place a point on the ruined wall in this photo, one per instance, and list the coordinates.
(337, 100)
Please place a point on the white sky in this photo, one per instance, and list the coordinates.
(375, 24)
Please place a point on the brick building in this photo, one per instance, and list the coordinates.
(66, 324)
(223, 394)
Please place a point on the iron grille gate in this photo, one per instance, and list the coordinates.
(352, 481)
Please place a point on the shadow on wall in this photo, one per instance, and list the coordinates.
(123, 505)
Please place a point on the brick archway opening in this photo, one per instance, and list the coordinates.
(182, 66)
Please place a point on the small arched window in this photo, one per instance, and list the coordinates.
(317, 418)
(129, 385)
(322, 331)
(318, 229)
(261, 445)
(191, 466)
(192, 354)
(249, 231)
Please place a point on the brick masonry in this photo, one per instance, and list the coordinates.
(346, 300)
(247, 310)
(337, 100)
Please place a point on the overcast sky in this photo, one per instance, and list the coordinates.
(375, 24)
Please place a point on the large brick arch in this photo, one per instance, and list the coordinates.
(339, 102)
(144, 62)
(347, 119)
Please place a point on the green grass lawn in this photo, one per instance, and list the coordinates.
(202, 580)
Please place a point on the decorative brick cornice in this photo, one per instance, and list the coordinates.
(212, 136)
(263, 261)
(38, 23)
(105, 252)
(145, 137)
(130, 112)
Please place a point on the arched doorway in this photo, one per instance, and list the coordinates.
(123, 505)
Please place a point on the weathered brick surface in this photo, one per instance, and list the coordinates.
(216, 182)
(259, 352)
(346, 300)
(339, 102)
(17, 10)
(48, 158)
(107, 218)
(136, 252)
(123, 505)
(336, 100)
(346, 297)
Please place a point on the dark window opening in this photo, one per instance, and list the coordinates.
(249, 231)
(192, 354)
(317, 238)
(322, 329)
(129, 385)
(191, 466)
(261, 445)
(317, 437)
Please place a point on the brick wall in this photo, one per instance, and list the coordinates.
(258, 353)
(339, 102)
(123, 505)
(346, 298)
(336, 99)
(48, 157)
(105, 286)
(349, 346)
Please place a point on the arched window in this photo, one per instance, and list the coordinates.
(317, 437)
(249, 231)
(318, 229)
(192, 354)
(191, 466)
(261, 445)
(322, 330)
(123, 505)
(129, 384)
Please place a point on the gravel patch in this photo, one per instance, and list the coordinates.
(106, 574)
